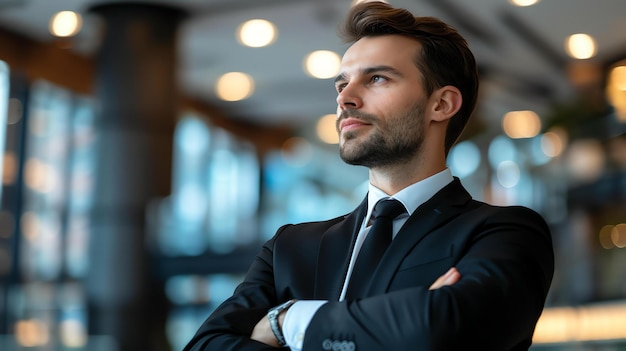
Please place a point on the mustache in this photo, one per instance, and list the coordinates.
(366, 117)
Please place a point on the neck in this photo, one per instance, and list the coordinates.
(391, 179)
(429, 160)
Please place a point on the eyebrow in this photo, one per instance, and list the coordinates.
(371, 70)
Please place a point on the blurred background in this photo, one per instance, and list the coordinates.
(150, 147)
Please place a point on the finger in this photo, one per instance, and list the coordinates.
(450, 277)
(443, 279)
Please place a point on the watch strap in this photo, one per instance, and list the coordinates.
(272, 316)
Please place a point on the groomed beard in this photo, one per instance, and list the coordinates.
(391, 142)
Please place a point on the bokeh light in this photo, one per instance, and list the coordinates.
(234, 86)
(65, 24)
(322, 64)
(581, 46)
(257, 33)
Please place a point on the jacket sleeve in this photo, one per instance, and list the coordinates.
(506, 264)
(229, 327)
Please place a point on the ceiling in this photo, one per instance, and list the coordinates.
(520, 50)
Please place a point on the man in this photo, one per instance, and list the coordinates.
(458, 274)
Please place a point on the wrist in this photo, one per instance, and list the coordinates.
(276, 317)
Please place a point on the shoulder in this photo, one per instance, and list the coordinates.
(509, 218)
(316, 228)
(507, 212)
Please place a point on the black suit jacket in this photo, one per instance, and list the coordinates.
(504, 255)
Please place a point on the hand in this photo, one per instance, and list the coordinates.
(452, 276)
(262, 331)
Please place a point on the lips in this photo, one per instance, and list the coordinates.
(351, 123)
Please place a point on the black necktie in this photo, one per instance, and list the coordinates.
(374, 246)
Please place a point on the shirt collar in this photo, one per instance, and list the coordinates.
(413, 195)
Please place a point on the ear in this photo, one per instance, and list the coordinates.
(447, 102)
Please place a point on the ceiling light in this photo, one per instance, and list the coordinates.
(257, 33)
(581, 46)
(234, 86)
(322, 64)
(65, 24)
(523, 3)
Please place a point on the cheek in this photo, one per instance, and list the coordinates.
(400, 103)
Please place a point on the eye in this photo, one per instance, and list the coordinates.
(378, 79)
(339, 87)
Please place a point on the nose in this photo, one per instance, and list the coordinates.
(349, 98)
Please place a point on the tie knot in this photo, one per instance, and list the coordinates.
(388, 209)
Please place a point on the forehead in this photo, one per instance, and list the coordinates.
(391, 50)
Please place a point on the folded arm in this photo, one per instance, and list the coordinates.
(263, 332)
(506, 268)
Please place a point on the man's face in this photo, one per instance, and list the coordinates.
(381, 102)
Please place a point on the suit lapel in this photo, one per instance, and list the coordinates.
(446, 204)
(334, 255)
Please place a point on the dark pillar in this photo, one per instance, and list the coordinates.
(137, 96)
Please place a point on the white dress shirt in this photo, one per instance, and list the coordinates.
(299, 315)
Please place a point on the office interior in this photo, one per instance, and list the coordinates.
(151, 147)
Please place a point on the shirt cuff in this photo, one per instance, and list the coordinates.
(296, 321)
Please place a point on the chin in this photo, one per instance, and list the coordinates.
(346, 144)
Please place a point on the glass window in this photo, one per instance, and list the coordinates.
(215, 192)
(47, 308)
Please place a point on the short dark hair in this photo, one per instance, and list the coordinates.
(445, 58)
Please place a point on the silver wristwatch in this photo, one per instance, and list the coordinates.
(272, 316)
